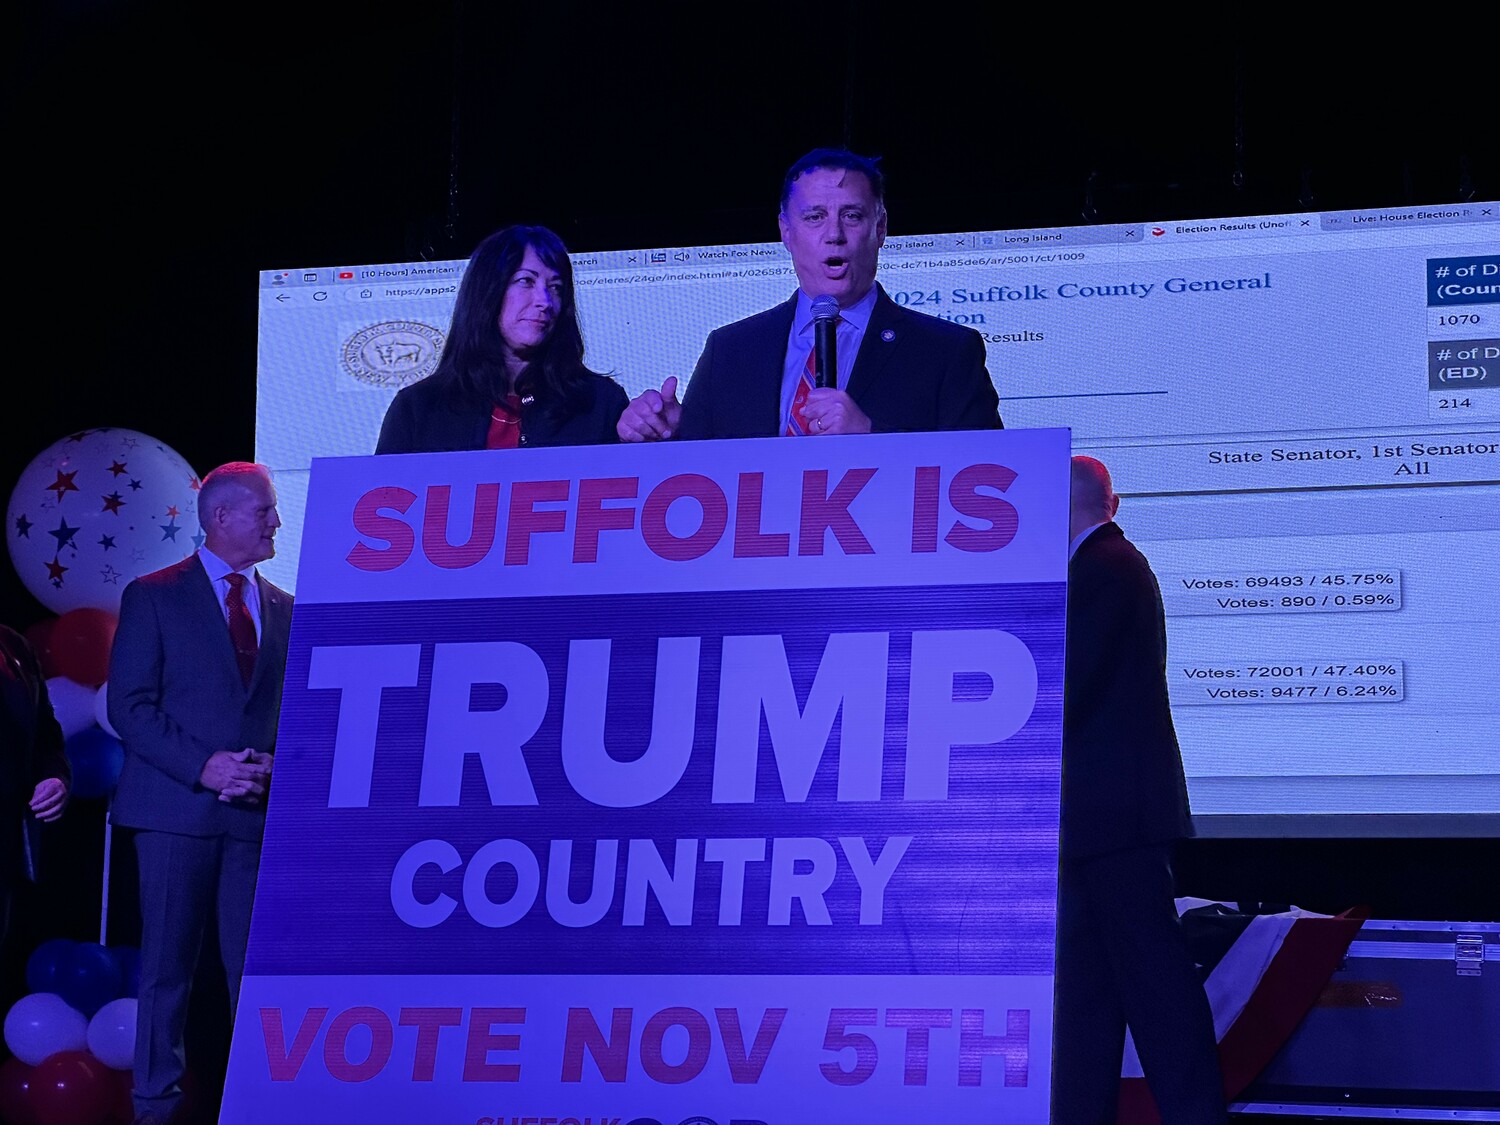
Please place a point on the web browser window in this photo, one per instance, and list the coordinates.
(1301, 413)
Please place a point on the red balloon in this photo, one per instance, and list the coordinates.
(78, 645)
(16, 1104)
(71, 1088)
(36, 636)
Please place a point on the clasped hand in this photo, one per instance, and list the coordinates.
(238, 775)
(49, 798)
(831, 411)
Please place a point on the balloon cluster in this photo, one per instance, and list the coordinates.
(90, 512)
(72, 1037)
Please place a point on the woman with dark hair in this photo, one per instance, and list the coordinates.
(511, 372)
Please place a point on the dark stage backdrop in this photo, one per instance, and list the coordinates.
(160, 154)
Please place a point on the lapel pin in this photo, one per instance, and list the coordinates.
(888, 335)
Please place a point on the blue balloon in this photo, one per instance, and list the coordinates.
(128, 957)
(96, 757)
(90, 978)
(45, 966)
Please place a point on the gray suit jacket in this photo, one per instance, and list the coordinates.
(176, 697)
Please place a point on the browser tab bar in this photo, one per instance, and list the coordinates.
(739, 254)
(601, 260)
(411, 271)
(1055, 236)
(1386, 218)
(324, 276)
(919, 244)
(1254, 226)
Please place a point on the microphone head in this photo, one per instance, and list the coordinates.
(825, 307)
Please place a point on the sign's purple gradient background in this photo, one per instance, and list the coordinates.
(975, 893)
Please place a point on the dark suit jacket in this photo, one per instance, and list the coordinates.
(423, 418)
(1122, 780)
(176, 697)
(914, 373)
(31, 750)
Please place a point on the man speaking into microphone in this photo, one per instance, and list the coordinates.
(837, 357)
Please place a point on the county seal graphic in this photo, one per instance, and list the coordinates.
(392, 354)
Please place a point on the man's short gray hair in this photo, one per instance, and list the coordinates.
(218, 482)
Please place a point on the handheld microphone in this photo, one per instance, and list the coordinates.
(825, 310)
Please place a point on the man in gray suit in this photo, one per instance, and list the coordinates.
(195, 695)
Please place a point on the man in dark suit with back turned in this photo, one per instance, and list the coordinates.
(1121, 955)
(898, 370)
(195, 694)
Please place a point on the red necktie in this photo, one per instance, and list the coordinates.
(241, 627)
(796, 423)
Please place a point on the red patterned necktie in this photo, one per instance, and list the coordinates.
(796, 423)
(241, 627)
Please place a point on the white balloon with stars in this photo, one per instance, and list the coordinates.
(94, 510)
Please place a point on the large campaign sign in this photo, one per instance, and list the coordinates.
(710, 783)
